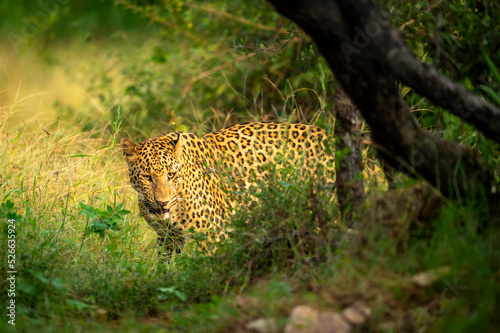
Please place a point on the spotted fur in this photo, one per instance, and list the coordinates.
(180, 178)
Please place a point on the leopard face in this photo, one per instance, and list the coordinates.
(156, 175)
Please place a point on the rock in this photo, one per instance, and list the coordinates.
(101, 314)
(353, 316)
(305, 319)
(388, 326)
(302, 319)
(246, 301)
(332, 322)
(263, 325)
(425, 279)
(358, 313)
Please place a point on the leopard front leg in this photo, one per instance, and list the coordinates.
(170, 242)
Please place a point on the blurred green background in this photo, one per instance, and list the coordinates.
(200, 65)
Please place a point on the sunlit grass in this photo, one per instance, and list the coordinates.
(46, 174)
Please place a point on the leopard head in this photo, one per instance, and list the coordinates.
(155, 174)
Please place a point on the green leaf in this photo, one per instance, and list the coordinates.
(82, 155)
(180, 295)
(41, 277)
(58, 283)
(17, 137)
(492, 66)
(284, 183)
(492, 94)
(123, 212)
(173, 291)
(89, 213)
(84, 206)
(77, 305)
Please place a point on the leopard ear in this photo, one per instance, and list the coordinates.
(129, 151)
(179, 146)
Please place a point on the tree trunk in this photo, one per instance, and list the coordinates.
(367, 56)
(348, 159)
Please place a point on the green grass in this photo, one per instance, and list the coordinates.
(76, 276)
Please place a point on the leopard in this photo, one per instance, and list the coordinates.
(181, 179)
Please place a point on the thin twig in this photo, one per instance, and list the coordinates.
(215, 70)
(235, 18)
(161, 20)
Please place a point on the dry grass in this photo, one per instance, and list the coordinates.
(47, 172)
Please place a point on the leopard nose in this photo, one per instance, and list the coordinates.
(162, 203)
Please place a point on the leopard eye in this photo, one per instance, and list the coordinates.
(148, 178)
(171, 175)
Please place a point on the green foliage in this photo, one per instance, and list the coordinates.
(455, 34)
(171, 291)
(290, 225)
(8, 211)
(38, 282)
(207, 66)
(103, 220)
(286, 249)
(45, 22)
(459, 38)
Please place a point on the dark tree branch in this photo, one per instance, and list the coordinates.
(367, 56)
(424, 78)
